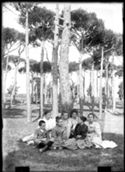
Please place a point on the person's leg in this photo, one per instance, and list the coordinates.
(28, 138)
(46, 146)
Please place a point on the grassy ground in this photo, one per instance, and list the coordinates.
(19, 154)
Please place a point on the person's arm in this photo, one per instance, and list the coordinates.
(98, 129)
(69, 126)
(76, 131)
(36, 133)
(53, 134)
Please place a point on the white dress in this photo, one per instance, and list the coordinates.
(94, 133)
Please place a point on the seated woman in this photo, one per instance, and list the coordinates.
(67, 124)
(57, 134)
(94, 130)
(79, 134)
(75, 119)
(94, 134)
(81, 129)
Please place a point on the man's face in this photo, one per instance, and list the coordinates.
(74, 115)
(65, 116)
(90, 118)
(43, 126)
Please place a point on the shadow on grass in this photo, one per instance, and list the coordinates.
(14, 113)
(86, 159)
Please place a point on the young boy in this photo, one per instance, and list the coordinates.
(39, 135)
(57, 134)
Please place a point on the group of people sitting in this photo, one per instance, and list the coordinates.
(66, 132)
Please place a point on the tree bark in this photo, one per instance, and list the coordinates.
(66, 100)
(81, 96)
(55, 67)
(92, 79)
(27, 71)
(41, 79)
(113, 87)
(106, 86)
(100, 95)
(4, 81)
(12, 99)
(97, 83)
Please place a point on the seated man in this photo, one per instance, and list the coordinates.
(50, 122)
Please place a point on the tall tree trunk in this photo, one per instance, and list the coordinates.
(100, 91)
(97, 84)
(12, 98)
(4, 81)
(106, 85)
(55, 67)
(32, 92)
(66, 100)
(92, 79)
(41, 79)
(113, 87)
(81, 96)
(27, 71)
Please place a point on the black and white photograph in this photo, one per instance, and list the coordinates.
(62, 86)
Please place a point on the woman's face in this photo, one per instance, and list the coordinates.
(60, 123)
(74, 115)
(90, 118)
(65, 116)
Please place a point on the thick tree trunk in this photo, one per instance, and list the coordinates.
(55, 67)
(66, 100)
(27, 72)
(41, 80)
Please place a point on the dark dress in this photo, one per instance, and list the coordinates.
(81, 129)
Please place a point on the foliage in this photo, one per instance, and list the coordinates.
(35, 67)
(41, 21)
(121, 91)
(88, 28)
(87, 63)
(89, 91)
(73, 66)
(119, 71)
(10, 90)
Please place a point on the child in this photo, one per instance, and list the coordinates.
(39, 135)
(57, 134)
